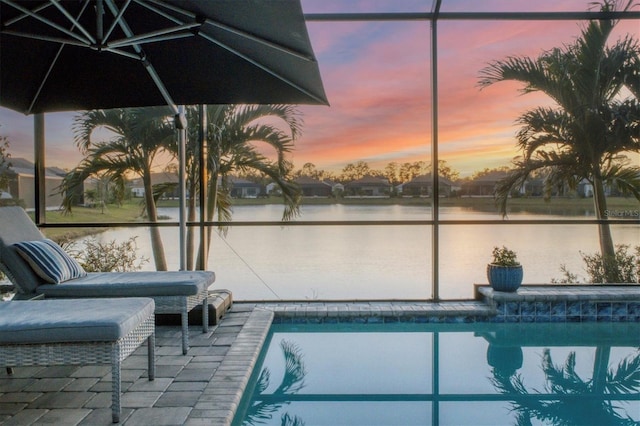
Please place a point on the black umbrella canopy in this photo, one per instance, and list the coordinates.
(64, 55)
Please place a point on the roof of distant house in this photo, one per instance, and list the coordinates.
(370, 180)
(24, 167)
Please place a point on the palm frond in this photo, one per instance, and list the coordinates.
(515, 68)
(159, 189)
(541, 127)
(263, 380)
(289, 114)
(625, 379)
(295, 370)
(287, 420)
(563, 380)
(624, 179)
(632, 73)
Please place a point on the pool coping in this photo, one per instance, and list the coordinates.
(230, 380)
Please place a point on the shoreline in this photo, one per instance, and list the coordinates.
(130, 211)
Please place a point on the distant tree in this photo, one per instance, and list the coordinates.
(391, 172)
(447, 172)
(487, 171)
(309, 170)
(5, 162)
(409, 171)
(355, 171)
(327, 175)
(595, 119)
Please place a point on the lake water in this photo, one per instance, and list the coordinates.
(376, 262)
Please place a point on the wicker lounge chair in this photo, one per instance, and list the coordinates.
(77, 332)
(174, 292)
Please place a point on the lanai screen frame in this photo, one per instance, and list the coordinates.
(432, 17)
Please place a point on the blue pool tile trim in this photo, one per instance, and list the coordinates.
(595, 303)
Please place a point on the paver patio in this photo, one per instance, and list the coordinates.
(205, 386)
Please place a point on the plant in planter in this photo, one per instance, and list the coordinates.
(504, 272)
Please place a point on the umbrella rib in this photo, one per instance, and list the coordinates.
(151, 40)
(224, 27)
(137, 57)
(44, 80)
(24, 15)
(263, 67)
(241, 33)
(47, 22)
(154, 36)
(117, 19)
(74, 21)
(47, 38)
(147, 65)
(260, 40)
(46, 76)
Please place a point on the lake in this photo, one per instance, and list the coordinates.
(376, 262)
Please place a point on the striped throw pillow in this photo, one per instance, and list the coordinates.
(49, 261)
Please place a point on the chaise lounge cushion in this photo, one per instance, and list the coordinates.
(84, 320)
(131, 284)
(50, 261)
(13, 231)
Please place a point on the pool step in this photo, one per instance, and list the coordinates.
(570, 303)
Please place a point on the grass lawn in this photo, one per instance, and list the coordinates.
(128, 212)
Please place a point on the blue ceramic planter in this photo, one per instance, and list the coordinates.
(505, 359)
(504, 278)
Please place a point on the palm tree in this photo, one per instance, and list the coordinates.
(234, 136)
(139, 136)
(292, 382)
(570, 408)
(595, 121)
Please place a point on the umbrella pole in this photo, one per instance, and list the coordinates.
(181, 126)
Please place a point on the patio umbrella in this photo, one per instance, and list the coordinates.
(69, 55)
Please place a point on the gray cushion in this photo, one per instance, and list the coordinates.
(83, 320)
(131, 284)
(16, 227)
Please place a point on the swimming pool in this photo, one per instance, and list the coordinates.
(446, 374)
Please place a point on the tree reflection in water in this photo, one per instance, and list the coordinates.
(292, 382)
(569, 403)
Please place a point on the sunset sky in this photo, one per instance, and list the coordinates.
(377, 78)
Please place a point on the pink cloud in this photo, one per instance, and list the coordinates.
(377, 78)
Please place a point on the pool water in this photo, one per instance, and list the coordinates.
(446, 374)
